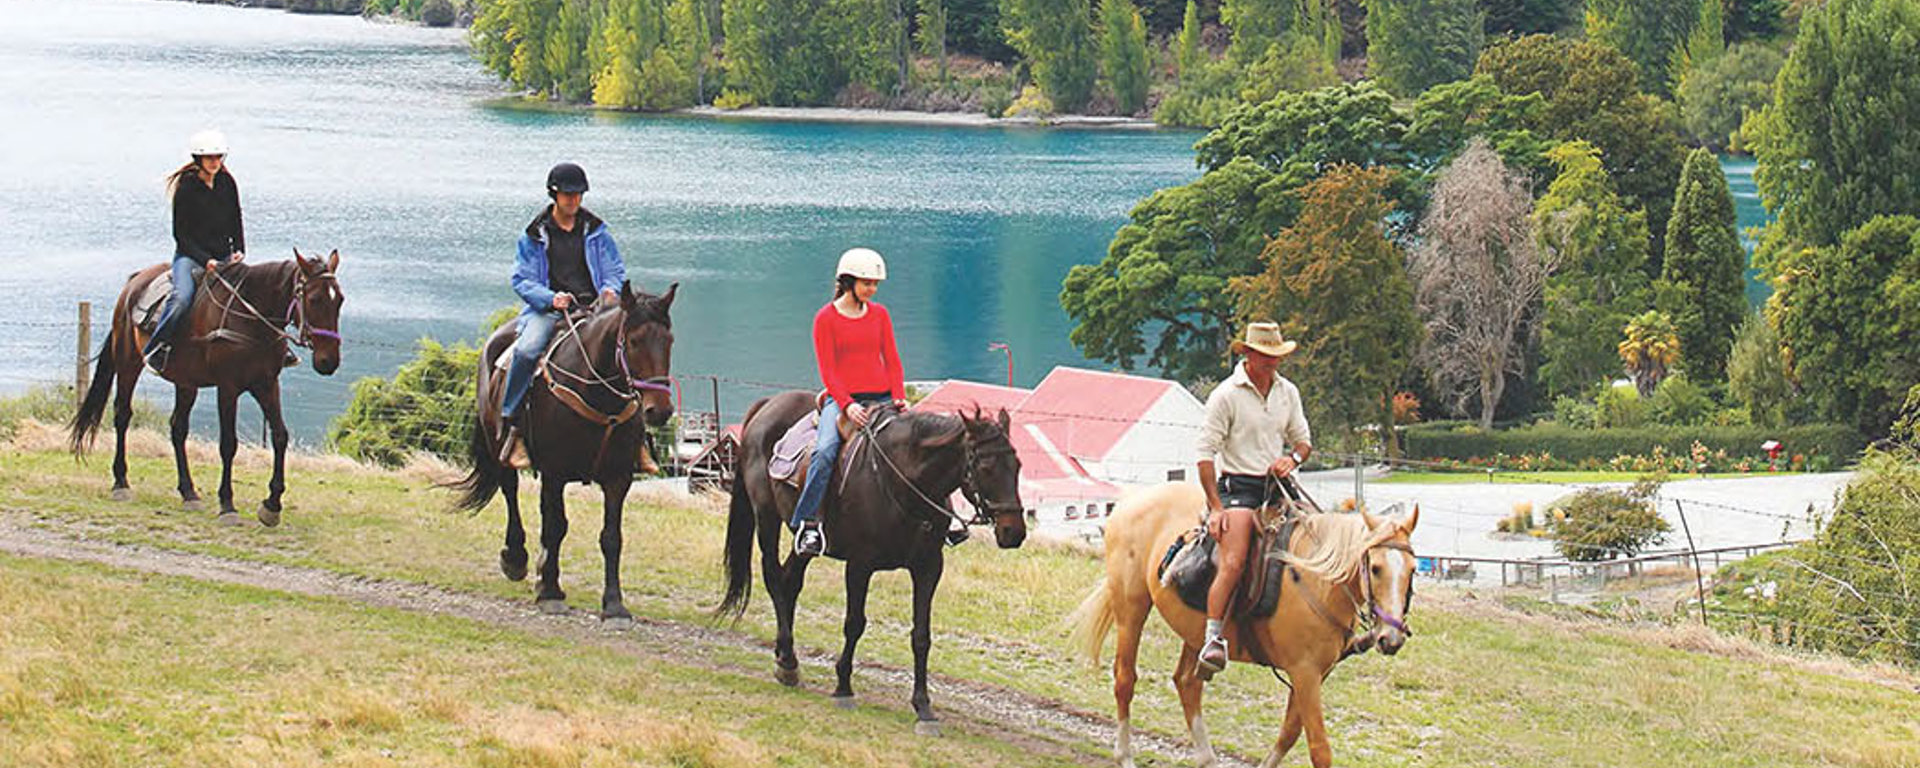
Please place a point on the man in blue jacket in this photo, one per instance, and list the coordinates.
(566, 258)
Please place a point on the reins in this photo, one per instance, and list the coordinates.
(627, 388)
(296, 306)
(982, 510)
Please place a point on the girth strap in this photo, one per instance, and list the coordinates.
(578, 404)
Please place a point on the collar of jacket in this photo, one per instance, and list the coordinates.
(537, 230)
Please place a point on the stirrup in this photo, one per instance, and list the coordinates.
(156, 359)
(810, 540)
(513, 450)
(1209, 668)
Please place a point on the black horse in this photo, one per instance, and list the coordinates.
(891, 512)
(606, 367)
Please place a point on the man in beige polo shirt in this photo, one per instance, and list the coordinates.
(1257, 431)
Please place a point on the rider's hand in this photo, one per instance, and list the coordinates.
(900, 405)
(858, 413)
(1217, 523)
(562, 301)
(236, 258)
(608, 297)
(1282, 466)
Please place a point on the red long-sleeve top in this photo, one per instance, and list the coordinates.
(857, 354)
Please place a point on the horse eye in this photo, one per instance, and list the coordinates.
(1376, 570)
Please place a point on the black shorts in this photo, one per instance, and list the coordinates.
(1250, 491)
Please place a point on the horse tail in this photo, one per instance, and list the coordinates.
(480, 484)
(87, 420)
(1091, 622)
(739, 553)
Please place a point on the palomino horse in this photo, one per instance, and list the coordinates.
(1341, 569)
(578, 421)
(234, 338)
(891, 511)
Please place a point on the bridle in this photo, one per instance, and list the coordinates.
(628, 389)
(984, 510)
(296, 307)
(1374, 614)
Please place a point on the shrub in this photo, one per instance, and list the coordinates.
(1031, 103)
(1601, 524)
(1847, 589)
(732, 99)
(1677, 401)
(53, 404)
(1620, 407)
(1440, 441)
(438, 13)
(1575, 413)
(427, 406)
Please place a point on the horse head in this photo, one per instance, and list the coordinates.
(315, 307)
(1386, 576)
(992, 483)
(646, 350)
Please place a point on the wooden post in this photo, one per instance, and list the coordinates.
(83, 342)
(1699, 582)
(1359, 482)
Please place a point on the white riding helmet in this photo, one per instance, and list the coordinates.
(207, 142)
(863, 264)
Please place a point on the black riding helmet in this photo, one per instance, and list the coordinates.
(566, 177)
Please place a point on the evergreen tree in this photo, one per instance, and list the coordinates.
(1598, 248)
(1189, 57)
(932, 31)
(1647, 31)
(1123, 54)
(1057, 39)
(1703, 285)
(692, 42)
(1257, 24)
(1413, 45)
(748, 49)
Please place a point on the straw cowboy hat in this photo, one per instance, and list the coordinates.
(1264, 338)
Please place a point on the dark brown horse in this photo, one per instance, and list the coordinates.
(606, 367)
(234, 339)
(891, 512)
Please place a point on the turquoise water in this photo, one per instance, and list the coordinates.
(380, 141)
(1750, 214)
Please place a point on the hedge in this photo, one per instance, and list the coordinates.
(1453, 440)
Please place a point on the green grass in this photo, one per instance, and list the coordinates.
(1554, 476)
(1479, 685)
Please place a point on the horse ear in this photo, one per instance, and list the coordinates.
(626, 293)
(1412, 520)
(666, 299)
(333, 261)
(1006, 421)
(297, 258)
(1373, 523)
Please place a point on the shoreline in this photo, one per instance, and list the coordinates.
(843, 116)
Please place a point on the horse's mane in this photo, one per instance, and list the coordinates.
(1335, 544)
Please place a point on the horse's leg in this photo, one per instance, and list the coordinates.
(1306, 688)
(1289, 734)
(513, 556)
(858, 579)
(553, 530)
(613, 607)
(183, 397)
(1186, 680)
(774, 575)
(228, 399)
(926, 579)
(267, 395)
(1129, 620)
(122, 419)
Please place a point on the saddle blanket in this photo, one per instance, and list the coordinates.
(793, 452)
(1191, 562)
(148, 305)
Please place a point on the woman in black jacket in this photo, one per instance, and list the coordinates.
(206, 229)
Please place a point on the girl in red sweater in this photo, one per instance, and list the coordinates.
(860, 367)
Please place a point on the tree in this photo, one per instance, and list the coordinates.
(1297, 63)
(1598, 251)
(1647, 31)
(1057, 40)
(1853, 585)
(692, 43)
(1123, 54)
(1167, 271)
(1189, 56)
(1447, 115)
(1299, 135)
(1337, 283)
(1752, 19)
(1602, 524)
(1650, 351)
(1704, 43)
(1703, 277)
(567, 40)
(1839, 144)
(932, 31)
(1258, 24)
(1716, 97)
(1478, 279)
(1590, 95)
(1527, 17)
(748, 49)
(1413, 45)
(1847, 316)
(1756, 374)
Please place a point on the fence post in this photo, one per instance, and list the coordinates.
(82, 342)
(1359, 481)
(1699, 583)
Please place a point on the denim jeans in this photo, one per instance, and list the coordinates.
(536, 331)
(826, 452)
(177, 304)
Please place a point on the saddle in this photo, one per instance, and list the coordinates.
(148, 305)
(1191, 562)
(793, 452)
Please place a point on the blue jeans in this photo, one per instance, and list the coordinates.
(177, 304)
(826, 451)
(536, 331)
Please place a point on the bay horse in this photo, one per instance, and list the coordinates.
(234, 338)
(1342, 571)
(606, 365)
(891, 511)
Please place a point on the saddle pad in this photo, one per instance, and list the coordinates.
(793, 449)
(1190, 563)
(147, 307)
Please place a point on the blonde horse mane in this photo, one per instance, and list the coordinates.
(1336, 542)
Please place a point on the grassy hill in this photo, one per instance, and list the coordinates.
(215, 672)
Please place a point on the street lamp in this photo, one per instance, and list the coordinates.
(999, 346)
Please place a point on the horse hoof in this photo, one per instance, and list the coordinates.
(269, 517)
(228, 518)
(843, 702)
(617, 623)
(926, 728)
(123, 494)
(787, 677)
(194, 505)
(513, 567)
(551, 607)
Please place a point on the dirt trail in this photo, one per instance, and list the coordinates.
(1036, 723)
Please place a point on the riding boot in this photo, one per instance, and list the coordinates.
(158, 357)
(289, 360)
(646, 465)
(513, 450)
